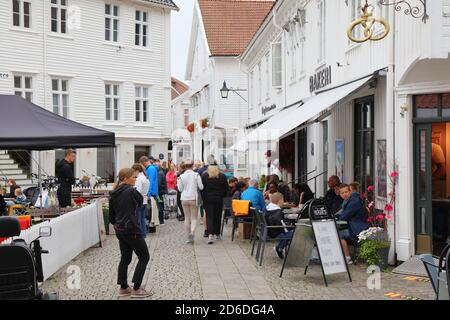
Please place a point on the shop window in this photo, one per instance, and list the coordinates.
(427, 106)
(106, 164)
(446, 105)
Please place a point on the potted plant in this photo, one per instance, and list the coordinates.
(191, 127)
(105, 209)
(375, 244)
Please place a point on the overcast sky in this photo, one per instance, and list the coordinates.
(181, 31)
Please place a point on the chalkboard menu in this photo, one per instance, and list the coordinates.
(320, 212)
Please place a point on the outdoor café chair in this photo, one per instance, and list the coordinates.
(265, 237)
(226, 209)
(257, 228)
(434, 270)
(240, 213)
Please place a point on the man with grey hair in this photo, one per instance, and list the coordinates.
(254, 195)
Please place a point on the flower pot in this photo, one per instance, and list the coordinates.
(384, 258)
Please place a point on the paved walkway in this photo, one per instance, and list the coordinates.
(224, 270)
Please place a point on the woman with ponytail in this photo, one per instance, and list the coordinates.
(124, 203)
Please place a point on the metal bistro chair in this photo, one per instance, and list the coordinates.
(241, 213)
(435, 271)
(257, 228)
(265, 237)
(226, 209)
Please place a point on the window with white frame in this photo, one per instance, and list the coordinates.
(267, 58)
(186, 117)
(59, 16)
(142, 104)
(112, 101)
(252, 81)
(321, 27)
(60, 97)
(141, 28)
(259, 83)
(21, 13)
(276, 65)
(111, 22)
(23, 86)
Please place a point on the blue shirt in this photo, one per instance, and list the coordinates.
(152, 174)
(255, 196)
(354, 212)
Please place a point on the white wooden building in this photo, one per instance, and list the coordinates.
(105, 64)
(372, 108)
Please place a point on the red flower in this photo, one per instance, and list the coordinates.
(370, 188)
(389, 208)
(394, 174)
(369, 219)
(190, 127)
(389, 217)
(380, 217)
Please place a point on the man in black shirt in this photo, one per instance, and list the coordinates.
(66, 178)
(333, 200)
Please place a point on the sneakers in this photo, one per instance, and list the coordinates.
(205, 235)
(190, 238)
(210, 239)
(218, 237)
(140, 293)
(349, 260)
(279, 252)
(124, 292)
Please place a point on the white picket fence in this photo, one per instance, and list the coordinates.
(72, 233)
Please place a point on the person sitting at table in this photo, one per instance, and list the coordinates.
(254, 195)
(238, 190)
(20, 197)
(271, 188)
(354, 212)
(11, 183)
(275, 217)
(332, 197)
(302, 194)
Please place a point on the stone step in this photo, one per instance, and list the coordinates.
(5, 156)
(6, 161)
(10, 172)
(9, 166)
(18, 177)
(3, 152)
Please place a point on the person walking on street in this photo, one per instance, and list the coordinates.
(171, 177)
(66, 178)
(162, 191)
(215, 190)
(152, 174)
(181, 169)
(142, 185)
(123, 213)
(189, 184)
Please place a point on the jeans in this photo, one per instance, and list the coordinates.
(213, 210)
(129, 243)
(160, 209)
(143, 220)
(285, 238)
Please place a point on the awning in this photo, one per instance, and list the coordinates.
(289, 119)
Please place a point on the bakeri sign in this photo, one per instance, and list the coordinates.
(320, 80)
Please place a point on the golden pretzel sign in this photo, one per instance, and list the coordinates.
(367, 21)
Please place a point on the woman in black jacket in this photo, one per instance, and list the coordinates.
(123, 213)
(215, 189)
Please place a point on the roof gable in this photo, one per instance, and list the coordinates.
(230, 24)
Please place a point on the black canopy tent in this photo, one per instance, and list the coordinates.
(26, 126)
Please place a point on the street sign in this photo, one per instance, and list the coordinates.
(331, 255)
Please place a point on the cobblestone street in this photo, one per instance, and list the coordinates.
(221, 271)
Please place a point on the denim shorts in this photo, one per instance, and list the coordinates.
(344, 235)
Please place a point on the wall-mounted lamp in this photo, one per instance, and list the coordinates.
(403, 109)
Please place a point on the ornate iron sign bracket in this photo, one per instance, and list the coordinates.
(416, 11)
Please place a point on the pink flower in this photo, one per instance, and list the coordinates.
(371, 204)
(391, 194)
(394, 174)
(389, 208)
(370, 188)
(380, 217)
(389, 217)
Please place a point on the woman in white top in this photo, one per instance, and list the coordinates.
(142, 185)
(189, 184)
